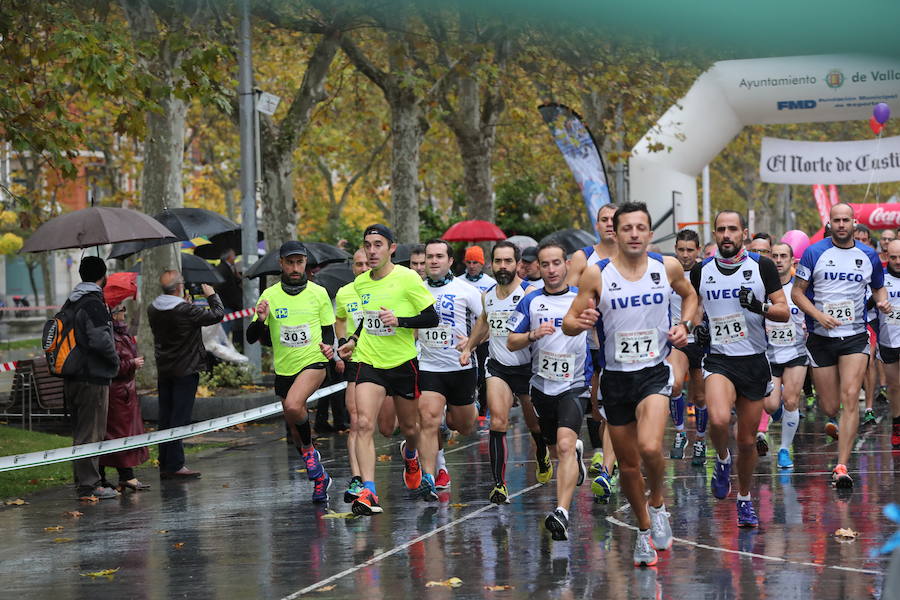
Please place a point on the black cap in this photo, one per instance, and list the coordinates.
(291, 248)
(529, 254)
(379, 229)
(92, 268)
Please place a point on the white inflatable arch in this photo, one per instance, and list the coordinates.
(735, 93)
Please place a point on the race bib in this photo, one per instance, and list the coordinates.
(842, 311)
(556, 366)
(358, 318)
(893, 317)
(728, 329)
(637, 346)
(437, 337)
(374, 326)
(781, 334)
(497, 322)
(296, 336)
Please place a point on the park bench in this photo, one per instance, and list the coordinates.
(35, 393)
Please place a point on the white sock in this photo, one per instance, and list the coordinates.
(654, 509)
(746, 498)
(679, 428)
(441, 462)
(789, 423)
(563, 511)
(727, 460)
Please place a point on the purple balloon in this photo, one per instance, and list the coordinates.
(881, 112)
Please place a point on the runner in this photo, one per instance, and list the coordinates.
(630, 294)
(529, 269)
(787, 359)
(474, 274)
(507, 373)
(394, 302)
(299, 317)
(889, 338)
(732, 287)
(831, 287)
(687, 363)
(417, 260)
(561, 374)
(444, 386)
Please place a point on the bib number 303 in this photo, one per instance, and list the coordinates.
(296, 336)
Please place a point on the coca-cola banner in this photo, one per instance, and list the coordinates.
(878, 216)
(863, 161)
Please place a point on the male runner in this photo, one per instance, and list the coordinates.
(508, 373)
(630, 294)
(787, 359)
(732, 287)
(529, 269)
(889, 338)
(474, 275)
(394, 302)
(443, 383)
(831, 286)
(561, 374)
(417, 260)
(687, 362)
(299, 318)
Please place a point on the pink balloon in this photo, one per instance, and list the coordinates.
(798, 241)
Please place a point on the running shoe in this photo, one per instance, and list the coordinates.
(895, 436)
(699, 458)
(366, 504)
(354, 489)
(644, 553)
(579, 456)
(412, 471)
(596, 463)
(558, 525)
(841, 479)
(868, 419)
(762, 444)
(881, 394)
(746, 514)
(831, 428)
(784, 459)
(602, 486)
(678, 445)
(721, 480)
(427, 489)
(544, 471)
(660, 529)
(314, 468)
(320, 489)
(499, 495)
(442, 481)
(810, 401)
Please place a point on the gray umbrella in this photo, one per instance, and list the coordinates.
(96, 226)
(571, 239)
(185, 223)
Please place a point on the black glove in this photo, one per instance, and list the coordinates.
(701, 335)
(749, 301)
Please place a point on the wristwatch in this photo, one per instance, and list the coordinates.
(689, 325)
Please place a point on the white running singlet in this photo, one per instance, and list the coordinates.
(888, 325)
(458, 304)
(676, 307)
(482, 284)
(498, 313)
(787, 341)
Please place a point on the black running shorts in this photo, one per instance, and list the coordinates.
(458, 387)
(888, 355)
(518, 378)
(283, 383)
(694, 355)
(750, 375)
(565, 410)
(778, 369)
(402, 380)
(825, 351)
(622, 391)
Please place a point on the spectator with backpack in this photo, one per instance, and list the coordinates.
(87, 367)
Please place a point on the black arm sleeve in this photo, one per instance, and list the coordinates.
(255, 331)
(328, 335)
(769, 273)
(423, 320)
(695, 277)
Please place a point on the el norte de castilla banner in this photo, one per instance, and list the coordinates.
(809, 163)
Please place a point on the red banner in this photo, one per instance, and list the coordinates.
(877, 216)
(822, 202)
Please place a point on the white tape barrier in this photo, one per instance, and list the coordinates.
(46, 457)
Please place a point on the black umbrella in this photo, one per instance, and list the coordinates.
(333, 277)
(319, 254)
(571, 239)
(267, 265)
(221, 242)
(185, 223)
(95, 226)
(403, 253)
(194, 270)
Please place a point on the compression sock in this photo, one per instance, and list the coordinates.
(497, 443)
(789, 422)
(305, 432)
(702, 417)
(676, 409)
(593, 428)
(540, 444)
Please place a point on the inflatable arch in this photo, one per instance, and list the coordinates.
(735, 93)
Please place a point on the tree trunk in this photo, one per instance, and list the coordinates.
(49, 297)
(279, 210)
(407, 130)
(478, 183)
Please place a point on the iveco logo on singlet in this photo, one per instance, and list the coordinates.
(723, 294)
(842, 276)
(641, 300)
(557, 321)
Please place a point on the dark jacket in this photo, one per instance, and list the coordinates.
(93, 328)
(230, 291)
(177, 339)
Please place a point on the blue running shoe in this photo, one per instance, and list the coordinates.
(602, 486)
(721, 480)
(784, 459)
(320, 489)
(314, 468)
(746, 514)
(427, 489)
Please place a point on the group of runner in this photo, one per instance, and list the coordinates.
(613, 334)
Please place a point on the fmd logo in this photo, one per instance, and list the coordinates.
(835, 78)
(796, 104)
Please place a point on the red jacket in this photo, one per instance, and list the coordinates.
(123, 418)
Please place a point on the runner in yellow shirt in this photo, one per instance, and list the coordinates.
(298, 317)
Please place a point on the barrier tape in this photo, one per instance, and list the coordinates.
(20, 308)
(240, 314)
(46, 457)
(8, 366)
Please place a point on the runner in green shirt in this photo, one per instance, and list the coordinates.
(394, 302)
(296, 314)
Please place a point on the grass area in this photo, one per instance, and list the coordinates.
(32, 343)
(18, 483)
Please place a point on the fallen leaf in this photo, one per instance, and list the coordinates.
(33, 482)
(451, 442)
(327, 588)
(178, 546)
(155, 462)
(62, 540)
(54, 528)
(225, 485)
(162, 531)
(322, 439)
(108, 573)
(16, 502)
(458, 505)
(846, 533)
(73, 514)
(498, 588)
(90, 499)
(453, 582)
(384, 457)
(339, 515)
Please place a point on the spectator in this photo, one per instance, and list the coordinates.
(180, 356)
(123, 418)
(87, 394)
(230, 291)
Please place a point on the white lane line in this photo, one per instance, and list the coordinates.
(400, 548)
(616, 521)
